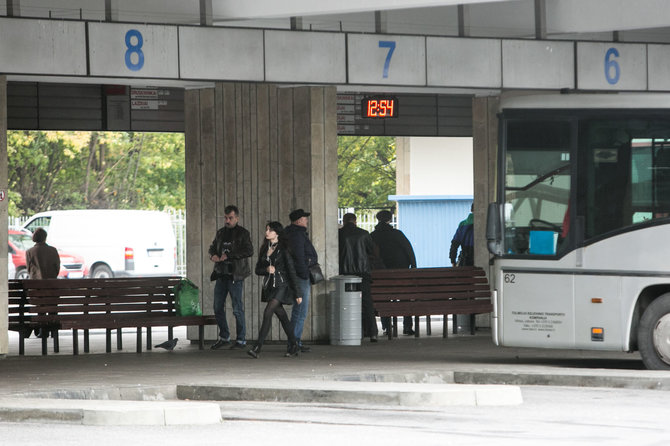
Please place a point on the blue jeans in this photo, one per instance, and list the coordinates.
(299, 312)
(222, 287)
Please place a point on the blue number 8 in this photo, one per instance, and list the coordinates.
(136, 49)
(612, 64)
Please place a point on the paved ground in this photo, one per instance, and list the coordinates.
(331, 382)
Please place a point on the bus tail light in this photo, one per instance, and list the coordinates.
(130, 259)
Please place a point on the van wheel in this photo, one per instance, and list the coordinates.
(22, 273)
(102, 272)
(654, 334)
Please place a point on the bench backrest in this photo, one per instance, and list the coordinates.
(136, 295)
(462, 283)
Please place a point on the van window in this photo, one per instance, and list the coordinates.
(39, 222)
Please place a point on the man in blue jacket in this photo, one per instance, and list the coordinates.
(464, 237)
(304, 255)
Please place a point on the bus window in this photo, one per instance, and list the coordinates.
(627, 176)
(536, 185)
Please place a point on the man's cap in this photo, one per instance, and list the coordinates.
(384, 216)
(298, 213)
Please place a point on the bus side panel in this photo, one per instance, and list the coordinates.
(598, 306)
(537, 310)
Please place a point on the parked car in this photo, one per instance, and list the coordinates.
(114, 243)
(72, 266)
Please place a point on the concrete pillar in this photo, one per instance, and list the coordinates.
(4, 338)
(485, 152)
(402, 165)
(267, 150)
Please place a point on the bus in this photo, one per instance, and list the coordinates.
(580, 229)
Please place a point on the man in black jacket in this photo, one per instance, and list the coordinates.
(230, 252)
(357, 251)
(395, 252)
(304, 255)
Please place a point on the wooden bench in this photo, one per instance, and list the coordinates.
(430, 291)
(84, 304)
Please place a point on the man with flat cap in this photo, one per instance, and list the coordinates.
(304, 255)
(395, 251)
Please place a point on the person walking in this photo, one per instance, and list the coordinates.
(304, 256)
(357, 252)
(42, 260)
(230, 252)
(395, 251)
(280, 286)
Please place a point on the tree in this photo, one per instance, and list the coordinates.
(366, 171)
(82, 170)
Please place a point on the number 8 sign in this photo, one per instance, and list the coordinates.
(118, 49)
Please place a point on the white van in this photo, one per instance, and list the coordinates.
(113, 242)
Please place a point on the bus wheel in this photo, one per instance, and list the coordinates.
(654, 334)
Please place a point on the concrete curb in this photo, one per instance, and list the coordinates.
(381, 393)
(624, 381)
(98, 413)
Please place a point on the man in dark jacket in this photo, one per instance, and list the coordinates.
(395, 252)
(357, 251)
(464, 237)
(304, 255)
(230, 252)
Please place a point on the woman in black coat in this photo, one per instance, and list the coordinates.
(279, 286)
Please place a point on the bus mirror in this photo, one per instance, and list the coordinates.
(494, 239)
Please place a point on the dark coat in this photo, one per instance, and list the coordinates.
(43, 261)
(283, 284)
(395, 249)
(304, 254)
(237, 242)
(357, 250)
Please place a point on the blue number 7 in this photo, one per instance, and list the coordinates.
(390, 44)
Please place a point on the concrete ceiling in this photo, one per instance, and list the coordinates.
(623, 20)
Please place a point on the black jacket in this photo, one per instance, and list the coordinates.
(304, 254)
(357, 250)
(237, 244)
(394, 248)
(283, 277)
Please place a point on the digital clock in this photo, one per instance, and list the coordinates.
(379, 107)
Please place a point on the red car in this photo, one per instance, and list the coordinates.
(71, 265)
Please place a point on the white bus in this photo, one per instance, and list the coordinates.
(580, 231)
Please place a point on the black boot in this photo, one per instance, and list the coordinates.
(254, 352)
(293, 350)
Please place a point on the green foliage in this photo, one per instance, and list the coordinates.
(366, 171)
(84, 170)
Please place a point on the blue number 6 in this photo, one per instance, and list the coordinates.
(390, 44)
(612, 64)
(137, 49)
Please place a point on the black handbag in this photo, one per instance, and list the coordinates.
(315, 273)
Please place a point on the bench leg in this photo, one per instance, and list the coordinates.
(389, 330)
(148, 338)
(170, 333)
(395, 326)
(87, 343)
(54, 333)
(22, 342)
(75, 341)
(472, 324)
(45, 336)
(445, 325)
(119, 338)
(108, 340)
(139, 339)
(201, 337)
(429, 329)
(416, 326)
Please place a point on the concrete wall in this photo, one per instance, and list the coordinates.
(4, 342)
(267, 150)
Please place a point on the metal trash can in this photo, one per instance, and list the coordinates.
(345, 311)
